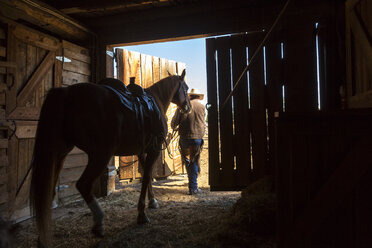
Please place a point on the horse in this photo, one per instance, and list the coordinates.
(91, 117)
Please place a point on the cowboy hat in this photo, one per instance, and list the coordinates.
(196, 92)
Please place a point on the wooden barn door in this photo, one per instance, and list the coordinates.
(34, 72)
(241, 132)
(148, 70)
(237, 131)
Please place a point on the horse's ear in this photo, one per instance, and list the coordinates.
(183, 74)
(169, 74)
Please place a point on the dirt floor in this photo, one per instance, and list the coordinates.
(181, 220)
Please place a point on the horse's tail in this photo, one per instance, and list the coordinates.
(48, 143)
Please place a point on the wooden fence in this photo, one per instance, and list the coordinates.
(148, 70)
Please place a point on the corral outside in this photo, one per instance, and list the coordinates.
(287, 152)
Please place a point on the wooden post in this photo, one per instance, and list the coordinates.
(104, 68)
(213, 137)
(300, 67)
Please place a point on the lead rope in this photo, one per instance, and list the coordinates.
(167, 141)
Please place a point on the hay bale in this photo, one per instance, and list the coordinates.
(255, 211)
(251, 221)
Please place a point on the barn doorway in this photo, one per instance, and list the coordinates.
(146, 64)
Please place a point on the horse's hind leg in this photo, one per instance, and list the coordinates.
(153, 203)
(146, 180)
(96, 165)
(59, 162)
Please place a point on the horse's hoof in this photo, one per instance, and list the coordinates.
(142, 219)
(153, 203)
(98, 231)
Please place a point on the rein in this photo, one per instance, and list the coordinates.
(185, 93)
(167, 141)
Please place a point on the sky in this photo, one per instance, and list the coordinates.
(191, 52)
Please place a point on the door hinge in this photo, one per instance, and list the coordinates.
(111, 54)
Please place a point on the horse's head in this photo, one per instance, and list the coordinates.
(180, 98)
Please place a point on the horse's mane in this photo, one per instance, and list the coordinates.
(163, 92)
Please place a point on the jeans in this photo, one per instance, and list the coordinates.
(191, 166)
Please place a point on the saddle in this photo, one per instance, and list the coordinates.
(135, 98)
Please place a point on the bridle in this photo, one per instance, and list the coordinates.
(183, 89)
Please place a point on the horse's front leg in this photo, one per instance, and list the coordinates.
(153, 203)
(146, 180)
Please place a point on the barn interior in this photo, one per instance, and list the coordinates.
(289, 92)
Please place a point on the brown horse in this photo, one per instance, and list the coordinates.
(92, 118)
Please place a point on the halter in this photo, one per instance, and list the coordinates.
(182, 88)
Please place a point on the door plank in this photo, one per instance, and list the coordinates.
(70, 78)
(225, 112)
(241, 111)
(76, 52)
(35, 38)
(120, 64)
(40, 72)
(213, 139)
(274, 66)
(78, 67)
(4, 143)
(258, 108)
(58, 70)
(25, 113)
(2, 51)
(146, 70)
(12, 78)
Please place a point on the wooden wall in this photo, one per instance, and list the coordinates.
(359, 53)
(31, 72)
(31, 63)
(148, 70)
(4, 162)
(324, 179)
(323, 157)
(77, 70)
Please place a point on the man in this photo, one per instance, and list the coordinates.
(191, 128)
